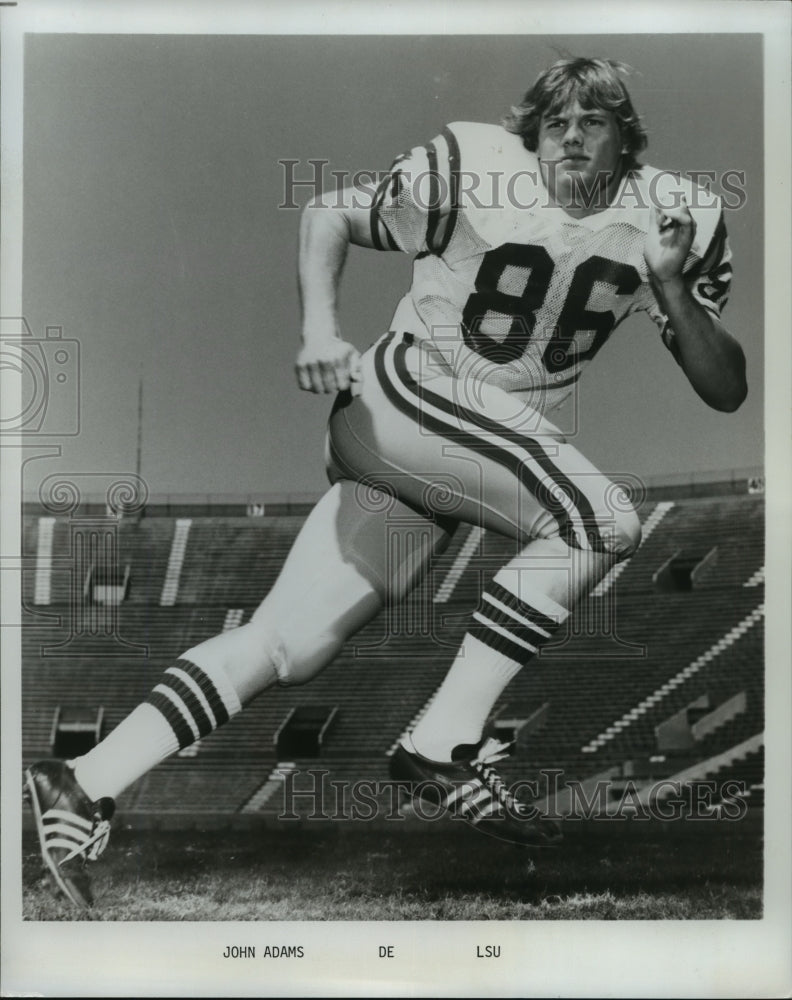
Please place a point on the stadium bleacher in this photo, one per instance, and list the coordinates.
(631, 658)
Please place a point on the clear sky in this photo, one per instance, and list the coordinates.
(153, 234)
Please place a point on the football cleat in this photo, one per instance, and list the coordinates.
(471, 789)
(71, 828)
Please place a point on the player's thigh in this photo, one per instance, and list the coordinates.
(357, 549)
(468, 449)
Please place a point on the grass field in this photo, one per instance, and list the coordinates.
(604, 871)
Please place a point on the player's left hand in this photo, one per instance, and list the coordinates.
(668, 241)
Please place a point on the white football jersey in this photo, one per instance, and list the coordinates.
(512, 289)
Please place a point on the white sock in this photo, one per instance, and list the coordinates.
(140, 742)
(460, 708)
(187, 704)
(504, 634)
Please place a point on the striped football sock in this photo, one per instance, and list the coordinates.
(188, 703)
(504, 634)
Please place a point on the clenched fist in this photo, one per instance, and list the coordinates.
(328, 366)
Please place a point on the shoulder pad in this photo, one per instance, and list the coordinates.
(494, 166)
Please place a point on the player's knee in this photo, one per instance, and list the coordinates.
(625, 536)
(276, 650)
(296, 655)
(300, 665)
(614, 527)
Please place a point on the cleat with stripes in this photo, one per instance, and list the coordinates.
(471, 789)
(71, 828)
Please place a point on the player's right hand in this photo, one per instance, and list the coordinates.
(328, 366)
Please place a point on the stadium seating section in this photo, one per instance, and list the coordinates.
(631, 659)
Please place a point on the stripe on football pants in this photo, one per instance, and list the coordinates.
(572, 500)
(551, 500)
(400, 392)
(569, 507)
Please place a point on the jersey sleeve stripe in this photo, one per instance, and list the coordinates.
(374, 216)
(377, 226)
(716, 247)
(434, 197)
(710, 278)
(453, 175)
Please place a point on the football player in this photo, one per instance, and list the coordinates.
(532, 241)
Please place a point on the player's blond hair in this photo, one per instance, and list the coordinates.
(594, 83)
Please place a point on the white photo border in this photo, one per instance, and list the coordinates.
(668, 958)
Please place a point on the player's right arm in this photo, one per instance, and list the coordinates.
(388, 217)
(329, 224)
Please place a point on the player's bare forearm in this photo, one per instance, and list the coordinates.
(711, 358)
(328, 225)
(326, 362)
(324, 241)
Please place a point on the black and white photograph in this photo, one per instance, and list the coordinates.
(396, 499)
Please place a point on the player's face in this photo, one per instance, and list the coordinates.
(580, 151)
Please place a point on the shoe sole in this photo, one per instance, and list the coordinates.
(61, 882)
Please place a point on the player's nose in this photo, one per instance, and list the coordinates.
(573, 135)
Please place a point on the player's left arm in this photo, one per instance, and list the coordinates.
(710, 356)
